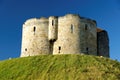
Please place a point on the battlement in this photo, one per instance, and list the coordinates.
(69, 34)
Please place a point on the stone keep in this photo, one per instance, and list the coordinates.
(69, 34)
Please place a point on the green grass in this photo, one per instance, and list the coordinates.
(60, 67)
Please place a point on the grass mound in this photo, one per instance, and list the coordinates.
(60, 67)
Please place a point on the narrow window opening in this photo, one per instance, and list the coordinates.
(87, 50)
(34, 29)
(72, 28)
(52, 22)
(59, 48)
(25, 49)
(86, 27)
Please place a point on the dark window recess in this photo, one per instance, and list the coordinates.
(25, 49)
(52, 22)
(72, 28)
(34, 29)
(59, 48)
(86, 27)
(87, 50)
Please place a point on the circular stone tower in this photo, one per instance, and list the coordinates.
(68, 41)
(35, 37)
(88, 36)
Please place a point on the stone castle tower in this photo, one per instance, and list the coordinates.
(69, 34)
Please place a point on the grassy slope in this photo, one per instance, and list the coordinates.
(60, 67)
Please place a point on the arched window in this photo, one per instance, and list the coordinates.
(59, 48)
(52, 22)
(34, 28)
(72, 28)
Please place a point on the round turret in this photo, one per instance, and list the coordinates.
(35, 37)
(68, 41)
(88, 36)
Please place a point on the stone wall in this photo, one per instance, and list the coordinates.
(69, 34)
(88, 36)
(35, 37)
(102, 43)
(68, 41)
(53, 28)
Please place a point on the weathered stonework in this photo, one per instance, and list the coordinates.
(69, 34)
(103, 43)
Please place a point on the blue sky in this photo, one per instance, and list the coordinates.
(13, 13)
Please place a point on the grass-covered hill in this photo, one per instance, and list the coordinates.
(60, 67)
